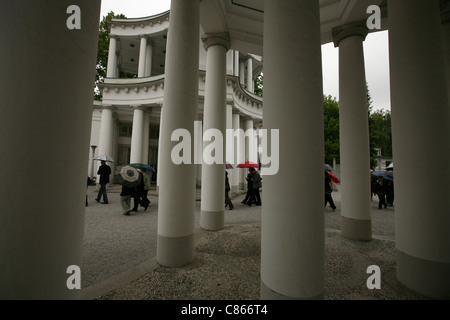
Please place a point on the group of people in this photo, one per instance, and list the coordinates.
(139, 193)
(253, 185)
(384, 189)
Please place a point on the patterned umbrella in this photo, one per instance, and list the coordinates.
(129, 176)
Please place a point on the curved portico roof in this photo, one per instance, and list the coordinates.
(243, 19)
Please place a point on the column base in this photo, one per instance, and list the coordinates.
(212, 220)
(428, 278)
(175, 251)
(268, 294)
(356, 229)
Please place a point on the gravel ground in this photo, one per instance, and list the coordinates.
(224, 268)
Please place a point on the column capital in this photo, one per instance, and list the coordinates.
(107, 107)
(138, 107)
(217, 39)
(342, 32)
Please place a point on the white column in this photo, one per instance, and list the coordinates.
(137, 134)
(249, 140)
(354, 135)
(236, 63)
(214, 115)
(292, 238)
(145, 136)
(420, 132)
(235, 174)
(228, 149)
(243, 171)
(106, 136)
(199, 141)
(112, 58)
(142, 56)
(445, 18)
(44, 131)
(250, 75)
(148, 59)
(176, 211)
(242, 73)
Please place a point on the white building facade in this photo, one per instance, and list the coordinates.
(126, 123)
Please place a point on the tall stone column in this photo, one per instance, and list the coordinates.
(445, 18)
(249, 140)
(142, 56)
(106, 136)
(250, 74)
(236, 63)
(214, 115)
(356, 223)
(242, 73)
(112, 58)
(228, 141)
(148, 59)
(137, 134)
(145, 136)
(44, 138)
(421, 144)
(292, 238)
(176, 211)
(243, 171)
(236, 173)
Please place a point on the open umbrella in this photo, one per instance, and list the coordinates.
(104, 158)
(142, 166)
(228, 165)
(386, 175)
(333, 177)
(248, 164)
(328, 167)
(128, 176)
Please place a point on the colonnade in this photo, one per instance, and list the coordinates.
(36, 249)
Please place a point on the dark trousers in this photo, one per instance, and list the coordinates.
(255, 197)
(102, 192)
(329, 199)
(247, 196)
(141, 198)
(228, 201)
(382, 201)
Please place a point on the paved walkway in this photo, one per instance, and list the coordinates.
(119, 256)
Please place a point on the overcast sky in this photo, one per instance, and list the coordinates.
(375, 51)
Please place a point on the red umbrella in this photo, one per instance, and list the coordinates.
(228, 165)
(248, 164)
(333, 177)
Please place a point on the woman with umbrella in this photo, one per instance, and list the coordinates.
(328, 190)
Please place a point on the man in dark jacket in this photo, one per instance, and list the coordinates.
(104, 171)
(255, 197)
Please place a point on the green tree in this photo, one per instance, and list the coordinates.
(380, 133)
(259, 85)
(103, 50)
(331, 128)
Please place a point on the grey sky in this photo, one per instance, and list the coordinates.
(375, 51)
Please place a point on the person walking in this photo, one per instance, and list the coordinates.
(255, 197)
(125, 198)
(141, 196)
(328, 190)
(249, 187)
(380, 190)
(104, 171)
(228, 202)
